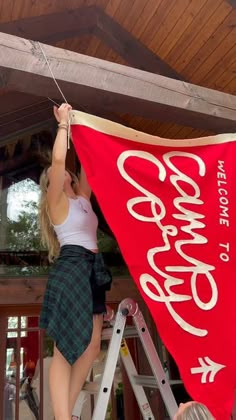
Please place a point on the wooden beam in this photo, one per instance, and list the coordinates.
(112, 86)
(129, 48)
(54, 27)
(28, 291)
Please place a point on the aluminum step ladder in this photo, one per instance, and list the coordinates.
(129, 307)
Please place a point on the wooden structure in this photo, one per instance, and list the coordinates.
(169, 70)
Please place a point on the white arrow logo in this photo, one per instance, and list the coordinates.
(207, 366)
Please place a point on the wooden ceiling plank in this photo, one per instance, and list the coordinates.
(6, 10)
(133, 15)
(53, 28)
(146, 18)
(93, 46)
(231, 86)
(128, 21)
(74, 44)
(23, 9)
(156, 21)
(204, 42)
(195, 134)
(184, 132)
(210, 45)
(29, 8)
(170, 25)
(151, 128)
(114, 87)
(226, 68)
(163, 129)
(215, 59)
(204, 24)
(181, 25)
(112, 7)
(95, 42)
(129, 48)
(171, 130)
(114, 58)
(121, 11)
(103, 50)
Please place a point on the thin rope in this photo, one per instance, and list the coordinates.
(58, 87)
(52, 100)
(49, 67)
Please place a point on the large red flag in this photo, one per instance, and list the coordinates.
(171, 205)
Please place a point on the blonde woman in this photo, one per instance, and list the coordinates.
(74, 301)
(193, 410)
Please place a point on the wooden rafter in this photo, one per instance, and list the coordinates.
(112, 86)
(129, 48)
(54, 27)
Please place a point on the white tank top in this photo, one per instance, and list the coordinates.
(80, 226)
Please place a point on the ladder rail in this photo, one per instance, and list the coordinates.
(129, 307)
(132, 373)
(153, 358)
(110, 367)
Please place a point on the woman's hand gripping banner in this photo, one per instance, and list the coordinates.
(171, 205)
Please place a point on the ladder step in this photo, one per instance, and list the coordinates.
(129, 332)
(91, 387)
(150, 381)
(141, 380)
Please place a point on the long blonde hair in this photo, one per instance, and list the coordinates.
(48, 235)
(195, 411)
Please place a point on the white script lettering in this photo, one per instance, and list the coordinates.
(198, 269)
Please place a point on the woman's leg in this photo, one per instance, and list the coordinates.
(82, 366)
(59, 382)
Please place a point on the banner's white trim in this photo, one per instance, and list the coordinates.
(118, 130)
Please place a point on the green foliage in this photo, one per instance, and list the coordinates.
(23, 233)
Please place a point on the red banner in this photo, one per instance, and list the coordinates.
(171, 205)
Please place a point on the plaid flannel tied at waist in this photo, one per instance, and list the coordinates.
(100, 274)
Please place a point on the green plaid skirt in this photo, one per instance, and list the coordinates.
(76, 289)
